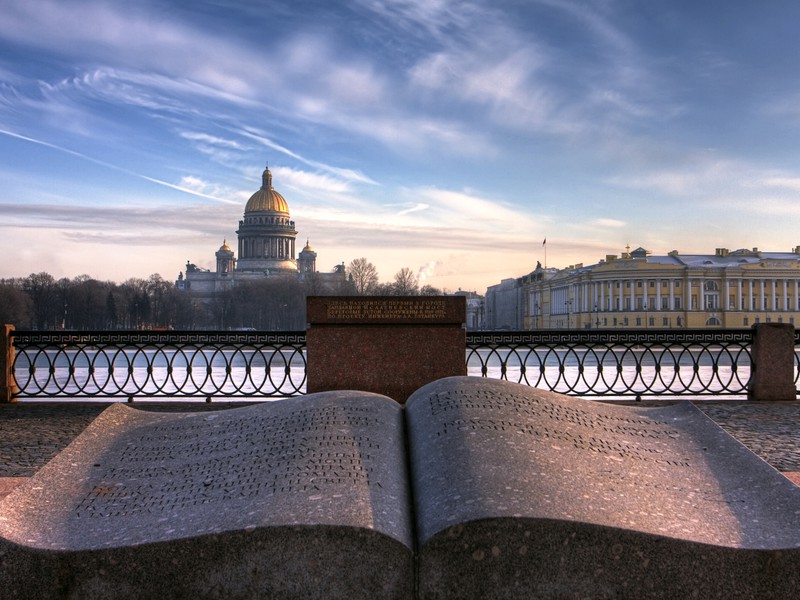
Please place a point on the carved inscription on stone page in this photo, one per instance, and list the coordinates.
(179, 464)
(624, 437)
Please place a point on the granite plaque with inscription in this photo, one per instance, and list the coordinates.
(536, 495)
(389, 345)
(303, 498)
(517, 493)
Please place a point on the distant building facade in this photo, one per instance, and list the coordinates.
(266, 248)
(476, 309)
(727, 289)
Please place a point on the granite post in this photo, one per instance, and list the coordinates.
(773, 360)
(7, 387)
(389, 345)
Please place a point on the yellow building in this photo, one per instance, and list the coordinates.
(727, 289)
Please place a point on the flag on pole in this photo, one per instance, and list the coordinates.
(544, 242)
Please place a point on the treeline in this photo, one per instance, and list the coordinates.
(41, 302)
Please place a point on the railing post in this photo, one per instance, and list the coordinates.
(8, 388)
(772, 363)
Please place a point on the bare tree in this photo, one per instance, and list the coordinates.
(41, 289)
(429, 290)
(15, 306)
(405, 283)
(364, 276)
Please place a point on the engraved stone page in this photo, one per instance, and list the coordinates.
(300, 498)
(519, 489)
(136, 476)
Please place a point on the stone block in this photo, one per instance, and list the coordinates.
(289, 499)
(386, 345)
(522, 493)
(773, 361)
(502, 490)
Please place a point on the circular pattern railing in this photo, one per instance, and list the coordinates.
(153, 364)
(271, 365)
(639, 363)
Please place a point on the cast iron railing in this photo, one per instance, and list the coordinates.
(164, 363)
(632, 363)
(207, 364)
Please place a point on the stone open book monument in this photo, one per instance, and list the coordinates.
(475, 488)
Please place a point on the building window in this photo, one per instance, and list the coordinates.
(746, 321)
(652, 321)
(638, 284)
(665, 322)
(677, 303)
(665, 303)
(638, 321)
(677, 284)
(652, 283)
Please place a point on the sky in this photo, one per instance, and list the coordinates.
(451, 137)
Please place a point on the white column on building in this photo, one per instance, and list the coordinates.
(739, 294)
(761, 296)
(701, 295)
(772, 304)
(785, 294)
(645, 295)
(658, 294)
(586, 297)
(633, 293)
(602, 299)
(750, 296)
(797, 294)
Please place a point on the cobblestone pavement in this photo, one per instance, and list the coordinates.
(31, 433)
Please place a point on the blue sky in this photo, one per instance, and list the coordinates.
(450, 137)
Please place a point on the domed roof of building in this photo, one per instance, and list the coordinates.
(307, 247)
(225, 247)
(266, 199)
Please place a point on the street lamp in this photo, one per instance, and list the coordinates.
(569, 304)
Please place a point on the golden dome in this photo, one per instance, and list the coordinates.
(266, 199)
(225, 247)
(308, 247)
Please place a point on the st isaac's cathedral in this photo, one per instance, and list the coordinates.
(266, 249)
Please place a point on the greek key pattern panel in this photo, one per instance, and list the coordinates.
(139, 338)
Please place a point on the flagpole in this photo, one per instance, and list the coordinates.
(544, 243)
